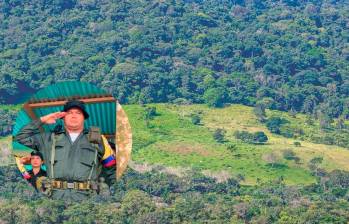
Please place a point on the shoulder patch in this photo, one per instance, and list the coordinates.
(108, 159)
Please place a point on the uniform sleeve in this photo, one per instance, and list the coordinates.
(22, 169)
(30, 135)
(108, 162)
(108, 159)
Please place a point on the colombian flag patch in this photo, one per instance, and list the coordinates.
(108, 159)
(26, 175)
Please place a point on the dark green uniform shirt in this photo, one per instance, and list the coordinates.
(72, 161)
(34, 177)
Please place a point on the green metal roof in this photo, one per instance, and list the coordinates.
(102, 114)
(67, 89)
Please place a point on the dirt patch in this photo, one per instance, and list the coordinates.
(145, 167)
(186, 148)
(220, 176)
(140, 167)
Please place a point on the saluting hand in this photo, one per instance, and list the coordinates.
(25, 160)
(51, 118)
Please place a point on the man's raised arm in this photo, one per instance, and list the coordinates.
(30, 135)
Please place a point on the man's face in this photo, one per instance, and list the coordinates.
(74, 119)
(35, 161)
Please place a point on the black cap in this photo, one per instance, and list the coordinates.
(76, 104)
(37, 153)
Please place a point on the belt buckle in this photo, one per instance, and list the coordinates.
(70, 185)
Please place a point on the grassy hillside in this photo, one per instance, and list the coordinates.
(171, 139)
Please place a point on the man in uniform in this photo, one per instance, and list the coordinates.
(74, 156)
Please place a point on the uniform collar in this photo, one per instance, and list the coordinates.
(41, 172)
(59, 130)
(63, 130)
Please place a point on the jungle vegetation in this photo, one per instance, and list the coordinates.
(158, 197)
(289, 55)
(287, 60)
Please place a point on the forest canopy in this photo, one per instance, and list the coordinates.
(288, 54)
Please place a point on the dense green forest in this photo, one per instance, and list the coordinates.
(158, 197)
(284, 55)
(289, 55)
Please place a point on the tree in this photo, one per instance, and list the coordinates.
(135, 204)
(244, 136)
(325, 121)
(215, 97)
(252, 138)
(150, 112)
(50, 211)
(314, 164)
(297, 144)
(260, 137)
(274, 124)
(148, 115)
(259, 111)
(7, 118)
(339, 178)
(340, 123)
(15, 212)
(195, 119)
(219, 135)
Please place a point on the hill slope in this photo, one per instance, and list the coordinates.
(169, 138)
(172, 140)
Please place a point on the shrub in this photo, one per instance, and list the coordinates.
(150, 112)
(274, 124)
(288, 154)
(231, 147)
(297, 144)
(260, 137)
(219, 135)
(253, 138)
(195, 119)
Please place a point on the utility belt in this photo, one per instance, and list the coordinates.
(46, 186)
(80, 186)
